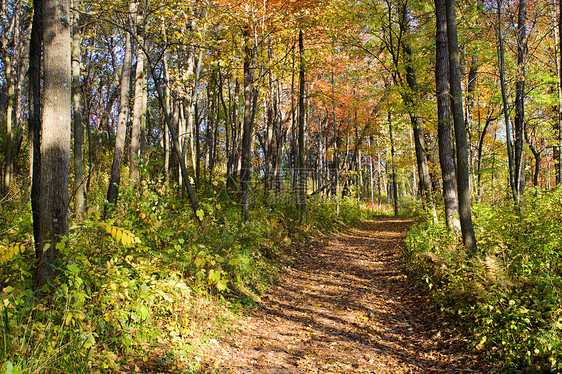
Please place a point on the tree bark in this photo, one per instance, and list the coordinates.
(79, 182)
(559, 92)
(471, 88)
(444, 118)
(34, 121)
(55, 145)
(519, 122)
(9, 156)
(138, 106)
(248, 126)
(463, 175)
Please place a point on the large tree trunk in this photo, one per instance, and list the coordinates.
(444, 118)
(519, 122)
(463, 174)
(79, 182)
(55, 145)
(115, 179)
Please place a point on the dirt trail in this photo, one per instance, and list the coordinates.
(346, 306)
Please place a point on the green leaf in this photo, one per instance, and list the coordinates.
(144, 312)
(221, 285)
(8, 289)
(199, 262)
(73, 268)
(234, 261)
(200, 214)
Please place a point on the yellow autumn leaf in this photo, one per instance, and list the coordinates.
(118, 235)
(126, 239)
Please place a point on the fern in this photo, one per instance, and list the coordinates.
(125, 237)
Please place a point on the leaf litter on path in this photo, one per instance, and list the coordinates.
(346, 306)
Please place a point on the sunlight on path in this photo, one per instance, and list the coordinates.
(345, 307)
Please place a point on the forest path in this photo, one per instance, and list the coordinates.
(345, 306)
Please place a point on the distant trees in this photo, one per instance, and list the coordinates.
(119, 149)
(224, 97)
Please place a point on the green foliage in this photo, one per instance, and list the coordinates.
(140, 287)
(509, 295)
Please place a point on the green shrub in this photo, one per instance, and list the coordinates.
(508, 296)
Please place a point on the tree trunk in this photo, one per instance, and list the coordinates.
(9, 156)
(165, 132)
(336, 166)
(444, 118)
(537, 156)
(560, 92)
(138, 107)
(248, 126)
(279, 141)
(519, 122)
(463, 175)
(55, 145)
(115, 179)
(371, 174)
(501, 58)
(302, 170)
(35, 66)
(79, 181)
(197, 125)
(393, 166)
(10, 84)
(480, 148)
(471, 88)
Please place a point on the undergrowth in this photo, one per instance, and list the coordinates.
(149, 289)
(508, 296)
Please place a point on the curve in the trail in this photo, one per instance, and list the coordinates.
(346, 306)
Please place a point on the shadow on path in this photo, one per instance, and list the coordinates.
(346, 306)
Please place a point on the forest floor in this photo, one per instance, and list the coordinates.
(346, 306)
